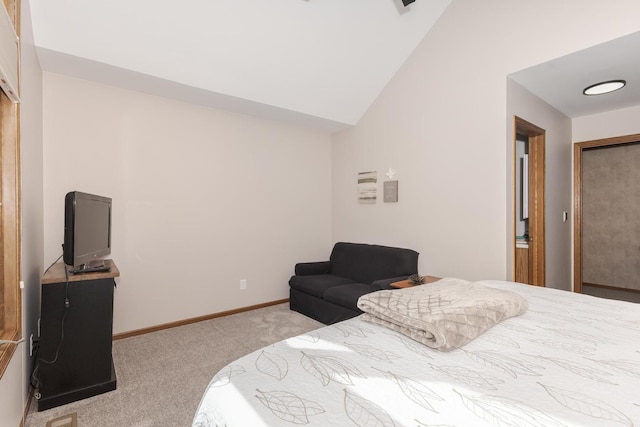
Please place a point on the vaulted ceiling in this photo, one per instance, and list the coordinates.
(315, 62)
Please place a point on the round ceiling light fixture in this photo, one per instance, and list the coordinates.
(604, 87)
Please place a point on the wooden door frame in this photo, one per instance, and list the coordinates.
(578, 148)
(536, 137)
(10, 234)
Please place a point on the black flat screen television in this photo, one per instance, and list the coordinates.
(87, 231)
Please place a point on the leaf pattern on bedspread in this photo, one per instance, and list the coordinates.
(372, 352)
(580, 336)
(329, 368)
(421, 424)
(505, 412)
(628, 367)
(223, 377)
(273, 365)
(310, 337)
(470, 377)
(501, 362)
(518, 328)
(634, 326)
(355, 373)
(587, 405)
(558, 316)
(288, 406)
(572, 347)
(415, 346)
(415, 391)
(365, 413)
(500, 340)
(580, 369)
(203, 420)
(348, 331)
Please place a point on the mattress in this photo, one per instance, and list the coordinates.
(569, 360)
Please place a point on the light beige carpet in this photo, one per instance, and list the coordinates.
(162, 375)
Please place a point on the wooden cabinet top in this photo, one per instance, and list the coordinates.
(56, 274)
(407, 284)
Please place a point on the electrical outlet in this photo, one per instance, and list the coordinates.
(33, 345)
(243, 284)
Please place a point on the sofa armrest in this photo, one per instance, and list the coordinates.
(312, 268)
(383, 284)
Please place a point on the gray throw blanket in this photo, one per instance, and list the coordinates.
(443, 315)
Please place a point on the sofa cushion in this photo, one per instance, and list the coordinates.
(311, 268)
(347, 295)
(365, 263)
(317, 284)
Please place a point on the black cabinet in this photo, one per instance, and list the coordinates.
(76, 328)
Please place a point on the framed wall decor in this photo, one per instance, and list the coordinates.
(390, 191)
(367, 187)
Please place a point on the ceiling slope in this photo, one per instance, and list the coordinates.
(318, 63)
(560, 82)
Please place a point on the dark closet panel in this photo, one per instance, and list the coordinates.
(611, 216)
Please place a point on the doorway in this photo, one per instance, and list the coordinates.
(529, 203)
(606, 232)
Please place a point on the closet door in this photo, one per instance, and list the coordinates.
(611, 216)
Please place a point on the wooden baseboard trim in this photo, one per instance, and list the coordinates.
(195, 319)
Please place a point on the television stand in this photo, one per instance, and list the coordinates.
(76, 331)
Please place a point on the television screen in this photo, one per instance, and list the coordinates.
(87, 228)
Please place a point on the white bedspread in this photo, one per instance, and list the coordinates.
(569, 360)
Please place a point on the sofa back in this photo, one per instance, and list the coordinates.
(365, 263)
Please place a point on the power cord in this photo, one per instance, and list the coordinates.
(11, 342)
(35, 382)
(54, 262)
(66, 304)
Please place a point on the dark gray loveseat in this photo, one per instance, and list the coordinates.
(328, 291)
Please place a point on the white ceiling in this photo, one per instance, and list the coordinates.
(319, 63)
(560, 82)
(316, 63)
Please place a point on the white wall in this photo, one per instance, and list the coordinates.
(12, 402)
(442, 124)
(32, 188)
(558, 180)
(606, 125)
(14, 384)
(202, 198)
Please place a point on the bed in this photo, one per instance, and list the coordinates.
(568, 360)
